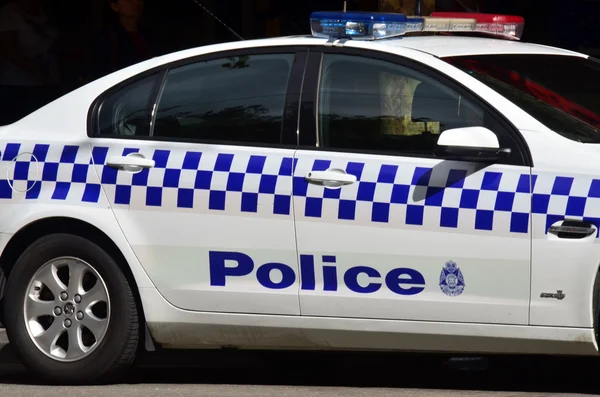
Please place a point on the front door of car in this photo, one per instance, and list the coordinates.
(387, 231)
(196, 161)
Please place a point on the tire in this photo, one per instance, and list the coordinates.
(116, 337)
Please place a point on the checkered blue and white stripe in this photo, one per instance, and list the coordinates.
(237, 182)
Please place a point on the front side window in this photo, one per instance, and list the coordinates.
(238, 99)
(561, 92)
(370, 104)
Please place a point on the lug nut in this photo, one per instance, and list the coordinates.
(57, 311)
(77, 298)
(64, 296)
(67, 323)
(79, 315)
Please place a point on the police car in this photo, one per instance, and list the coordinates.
(387, 183)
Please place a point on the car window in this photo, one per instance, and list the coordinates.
(125, 112)
(370, 104)
(561, 92)
(239, 99)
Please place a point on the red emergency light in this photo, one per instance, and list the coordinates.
(506, 26)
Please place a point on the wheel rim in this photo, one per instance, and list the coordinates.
(67, 309)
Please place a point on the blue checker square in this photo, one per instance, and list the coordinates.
(235, 182)
(519, 222)
(34, 188)
(203, 180)
(381, 212)
(40, 152)
(123, 194)
(91, 193)
(69, 154)
(5, 189)
(505, 201)
(224, 162)
(282, 205)
(484, 220)
(456, 178)
(185, 198)
(109, 175)
(540, 203)
(595, 189)
(562, 186)
(80, 173)
(154, 196)
(21, 170)
(449, 217)
(129, 150)
(50, 172)
(332, 193)
(12, 151)
(355, 169)
(421, 176)
(99, 155)
(216, 200)
(268, 184)
(288, 165)
(314, 207)
(171, 178)
(347, 210)
(400, 194)
(414, 214)
(576, 206)
(299, 186)
(256, 164)
(434, 196)
(469, 199)
(366, 191)
(387, 174)
(526, 183)
(491, 181)
(192, 160)
(141, 178)
(161, 157)
(321, 165)
(61, 191)
(249, 202)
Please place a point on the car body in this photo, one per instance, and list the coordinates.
(274, 231)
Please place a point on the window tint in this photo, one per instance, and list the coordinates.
(239, 99)
(126, 112)
(368, 104)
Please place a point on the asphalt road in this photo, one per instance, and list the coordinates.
(239, 374)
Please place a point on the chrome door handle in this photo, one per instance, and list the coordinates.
(572, 229)
(132, 162)
(330, 178)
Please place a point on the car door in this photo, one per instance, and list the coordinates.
(386, 230)
(196, 161)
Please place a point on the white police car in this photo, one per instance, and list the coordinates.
(371, 187)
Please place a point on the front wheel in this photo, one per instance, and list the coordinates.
(70, 314)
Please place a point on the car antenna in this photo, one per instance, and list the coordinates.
(218, 20)
(345, 5)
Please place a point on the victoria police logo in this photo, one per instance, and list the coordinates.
(452, 281)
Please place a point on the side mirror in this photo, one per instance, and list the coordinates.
(470, 144)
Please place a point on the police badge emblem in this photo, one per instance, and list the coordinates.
(452, 281)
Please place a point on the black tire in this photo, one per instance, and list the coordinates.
(117, 351)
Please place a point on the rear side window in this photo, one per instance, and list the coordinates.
(238, 99)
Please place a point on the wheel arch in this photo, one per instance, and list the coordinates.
(59, 224)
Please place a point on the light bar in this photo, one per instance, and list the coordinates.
(507, 26)
(434, 24)
(362, 25)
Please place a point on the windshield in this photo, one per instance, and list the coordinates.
(562, 92)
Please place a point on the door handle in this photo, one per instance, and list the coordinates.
(132, 162)
(330, 178)
(572, 229)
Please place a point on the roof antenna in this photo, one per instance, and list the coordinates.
(345, 5)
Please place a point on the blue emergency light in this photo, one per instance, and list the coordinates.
(362, 25)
